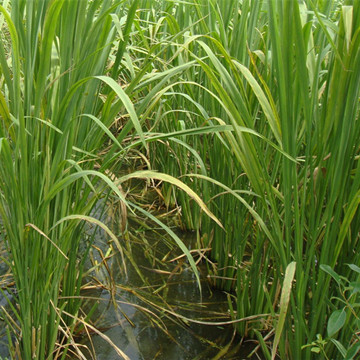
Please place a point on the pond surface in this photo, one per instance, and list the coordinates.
(153, 309)
(160, 297)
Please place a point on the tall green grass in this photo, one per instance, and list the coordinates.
(53, 128)
(285, 76)
(257, 100)
(66, 80)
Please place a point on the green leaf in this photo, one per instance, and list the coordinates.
(147, 174)
(354, 267)
(104, 128)
(269, 112)
(127, 103)
(347, 12)
(255, 215)
(284, 303)
(340, 347)
(348, 218)
(331, 272)
(336, 322)
(355, 285)
(262, 344)
(97, 222)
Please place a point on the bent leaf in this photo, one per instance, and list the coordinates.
(147, 174)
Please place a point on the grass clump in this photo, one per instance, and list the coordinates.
(67, 82)
(257, 100)
(282, 78)
(53, 127)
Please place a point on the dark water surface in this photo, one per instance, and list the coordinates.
(136, 308)
(147, 286)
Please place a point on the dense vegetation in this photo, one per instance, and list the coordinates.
(254, 105)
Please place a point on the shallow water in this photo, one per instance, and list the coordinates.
(139, 316)
(164, 336)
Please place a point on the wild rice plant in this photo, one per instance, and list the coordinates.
(61, 63)
(259, 100)
(285, 76)
(52, 130)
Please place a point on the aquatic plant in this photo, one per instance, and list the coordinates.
(344, 315)
(254, 104)
(53, 127)
(60, 95)
(284, 77)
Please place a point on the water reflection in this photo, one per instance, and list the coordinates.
(136, 308)
(147, 295)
